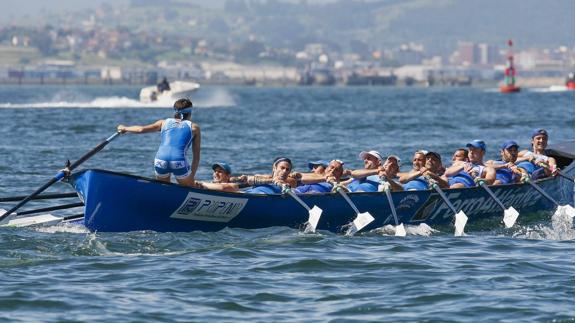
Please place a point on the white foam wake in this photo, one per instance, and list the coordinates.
(561, 228)
(211, 99)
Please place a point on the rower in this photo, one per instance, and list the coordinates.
(178, 134)
(432, 169)
(318, 166)
(464, 174)
(418, 163)
(460, 155)
(506, 171)
(372, 161)
(280, 178)
(535, 162)
(388, 172)
(333, 174)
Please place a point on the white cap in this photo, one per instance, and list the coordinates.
(373, 153)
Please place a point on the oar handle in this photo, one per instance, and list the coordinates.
(444, 197)
(295, 197)
(61, 174)
(540, 190)
(347, 199)
(565, 176)
(94, 150)
(490, 192)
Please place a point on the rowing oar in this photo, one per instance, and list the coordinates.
(44, 219)
(61, 174)
(39, 197)
(361, 220)
(565, 176)
(399, 228)
(314, 212)
(509, 214)
(460, 217)
(568, 209)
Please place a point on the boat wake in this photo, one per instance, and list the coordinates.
(552, 88)
(560, 228)
(210, 99)
(414, 230)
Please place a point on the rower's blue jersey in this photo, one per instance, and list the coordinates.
(324, 187)
(265, 189)
(368, 184)
(463, 178)
(177, 137)
(418, 184)
(504, 175)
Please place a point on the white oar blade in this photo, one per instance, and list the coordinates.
(460, 221)
(44, 219)
(362, 220)
(314, 216)
(400, 231)
(510, 216)
(566, 209)
(6, 220)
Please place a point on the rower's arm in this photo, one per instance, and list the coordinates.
(411, 175)
(196, 148)
(489, 173)
(523, 156)
(311, 178)
(454, 169)
(156, 126)
(492, 164)
(363, 173)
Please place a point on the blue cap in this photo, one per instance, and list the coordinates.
(538, 132)
(508, 144)
(312, 164)
(477, 144)
(224, 166)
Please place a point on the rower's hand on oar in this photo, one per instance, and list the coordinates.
(339, 187)
(66, 171)
(121, 128)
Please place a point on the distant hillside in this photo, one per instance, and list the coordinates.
(354, 25)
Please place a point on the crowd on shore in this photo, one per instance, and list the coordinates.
(467, 168)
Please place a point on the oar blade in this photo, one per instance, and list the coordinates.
(44, 219)
(362, 220)
(314, 216)
(510, 215)
(400, 230)
(460, 222)
(566, 209)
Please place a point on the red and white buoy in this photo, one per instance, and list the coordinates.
(509, 86)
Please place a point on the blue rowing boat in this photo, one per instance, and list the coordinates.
(116, 202)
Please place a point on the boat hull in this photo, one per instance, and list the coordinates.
(509, 89)
(119, 202)
(570, 85)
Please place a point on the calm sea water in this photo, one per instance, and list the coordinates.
(277, 274)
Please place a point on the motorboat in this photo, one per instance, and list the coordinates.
(177, 90)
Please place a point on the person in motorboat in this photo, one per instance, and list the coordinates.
(465, 174)
(279, 179)
(506, 171)
(164, 85)
(536, 162)
(333, 177)
(418, 162)
(178, 134)
(431, 172)
(361, 180)
(460, 155)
